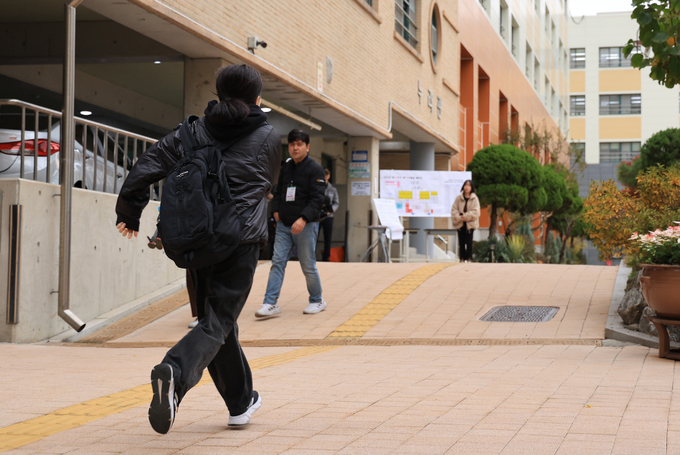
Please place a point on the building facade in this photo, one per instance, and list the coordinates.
(614, 108)
(417, 84)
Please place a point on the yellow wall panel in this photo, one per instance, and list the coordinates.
(577, 129)
(618, 80)
(577, 81)
(620, 128)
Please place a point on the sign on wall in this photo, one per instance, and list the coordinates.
(422, 193)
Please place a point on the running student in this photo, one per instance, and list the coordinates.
(221, 290)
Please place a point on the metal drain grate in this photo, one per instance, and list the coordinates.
(520, 314)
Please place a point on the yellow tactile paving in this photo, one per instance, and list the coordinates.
(23, 433)
(385, 302)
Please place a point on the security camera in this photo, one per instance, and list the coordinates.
(253, 42)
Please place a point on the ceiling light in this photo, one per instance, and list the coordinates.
(157, 62)
(85, 113)
(266, 109)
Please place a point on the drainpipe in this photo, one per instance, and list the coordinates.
(66, 170)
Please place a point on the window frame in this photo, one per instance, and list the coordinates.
(575, 58)
(621, 61)
(404, 29)
(630, 108)
(574, 102)
(436, 54)
(632, 153)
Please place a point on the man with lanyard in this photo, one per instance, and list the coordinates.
(298, 199)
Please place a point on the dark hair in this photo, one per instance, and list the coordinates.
(295, 135)
(472, 186)
(237, 86)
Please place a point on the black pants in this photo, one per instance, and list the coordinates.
(221, 292)
(465, 243)
(327, 226)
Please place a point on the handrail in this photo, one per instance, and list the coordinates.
(99, 134)
(44, 110)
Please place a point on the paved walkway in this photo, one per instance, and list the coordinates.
(327, 394)
(445, 306)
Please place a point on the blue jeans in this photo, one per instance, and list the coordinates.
(305, 242)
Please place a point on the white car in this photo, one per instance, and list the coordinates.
(10, 158)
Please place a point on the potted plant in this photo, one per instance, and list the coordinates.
(659, 258)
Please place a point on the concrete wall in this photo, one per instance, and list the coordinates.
(107, 270)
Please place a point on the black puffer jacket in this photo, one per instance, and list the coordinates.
(253, 166)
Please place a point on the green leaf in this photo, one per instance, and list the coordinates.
(637, 60)
(645, 18)
(660, 37)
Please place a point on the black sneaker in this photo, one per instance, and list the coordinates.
(164, 403)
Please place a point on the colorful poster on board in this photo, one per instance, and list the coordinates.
(422, 193)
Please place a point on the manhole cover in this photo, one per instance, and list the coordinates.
(520, 314)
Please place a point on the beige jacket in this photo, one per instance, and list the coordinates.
(471, 217)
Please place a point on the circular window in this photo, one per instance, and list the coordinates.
(435, 36)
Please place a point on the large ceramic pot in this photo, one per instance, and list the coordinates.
(660, 285)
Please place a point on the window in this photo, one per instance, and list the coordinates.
(485, 4)
(578, 152)
(405, 20)
(615, 152)
(553, 101)
(537, 7)
(577, 57)
(528, 61)
(434, 36)
(503, 25)
(620, 104)
(612, 57)
(553, 34)
(537, 74)
(514, 38)
(577, 105)
(370, 3)
(547, 22)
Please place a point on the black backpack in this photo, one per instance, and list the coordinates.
(198, 223)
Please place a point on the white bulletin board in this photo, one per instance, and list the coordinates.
(422, 193)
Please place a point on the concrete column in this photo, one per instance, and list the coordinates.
(359, 206)
(199, 83)
(421, 158)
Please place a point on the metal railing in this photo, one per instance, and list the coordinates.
(103, 154)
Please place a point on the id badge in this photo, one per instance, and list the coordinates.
(290, 194)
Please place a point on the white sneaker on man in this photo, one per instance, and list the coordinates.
(316, 307)
(267, 311)
(244, 419)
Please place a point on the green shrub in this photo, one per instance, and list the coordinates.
(481, 251)
(516, 244)
(553, 246)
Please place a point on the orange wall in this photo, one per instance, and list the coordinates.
(490, 54)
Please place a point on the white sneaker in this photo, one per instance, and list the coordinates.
(193, 324)
(244, 419)
(316, 307)
(267, 311)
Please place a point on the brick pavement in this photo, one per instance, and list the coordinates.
(446, 306)
(553, 399)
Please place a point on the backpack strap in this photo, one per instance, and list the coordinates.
(187, 136)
